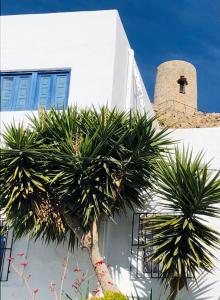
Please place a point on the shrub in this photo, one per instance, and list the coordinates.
(109, 295)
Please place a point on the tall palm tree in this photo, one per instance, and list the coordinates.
(68, 169)
(183, 239)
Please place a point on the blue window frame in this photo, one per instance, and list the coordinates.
(33, 90)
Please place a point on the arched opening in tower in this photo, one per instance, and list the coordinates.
(182, 81)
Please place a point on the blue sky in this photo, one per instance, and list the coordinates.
(158, 30)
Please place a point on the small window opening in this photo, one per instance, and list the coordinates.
(140, 265)
(182, 81)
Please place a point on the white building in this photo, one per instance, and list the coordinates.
(81, 58)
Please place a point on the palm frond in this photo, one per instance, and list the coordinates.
(183, 239)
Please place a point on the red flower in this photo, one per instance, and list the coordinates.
(76, 284)
(96, 291)
(100, 262)
(77, 269)
(21, 253)
(108, 266)
(36, 291)
(10, 258)
(24, 263)
(109, 282)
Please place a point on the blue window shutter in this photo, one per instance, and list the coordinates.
(60, 93)
(22, 97)
(33, 90)
(44, 90)
(7, 86)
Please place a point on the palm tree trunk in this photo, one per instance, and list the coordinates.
(90, 241)
(101, 269)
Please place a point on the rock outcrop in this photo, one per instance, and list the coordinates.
(177, 119)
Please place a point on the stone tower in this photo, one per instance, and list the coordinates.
(176, 87)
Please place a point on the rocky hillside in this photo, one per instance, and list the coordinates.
(176, 119)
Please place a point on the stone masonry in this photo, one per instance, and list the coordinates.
(168, 90)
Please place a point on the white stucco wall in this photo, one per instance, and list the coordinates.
(206, 139)
(122, 47)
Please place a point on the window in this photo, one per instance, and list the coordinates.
(6, 241)
(182, 83)
(33, 90)
(140, 267)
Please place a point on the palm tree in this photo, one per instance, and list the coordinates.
(183, 239)
(67, 170)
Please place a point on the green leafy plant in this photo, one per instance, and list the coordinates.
(109, 295)
(80, 294)
(68, 169)
(183, 238)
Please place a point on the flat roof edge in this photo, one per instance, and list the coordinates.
(108, 11)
